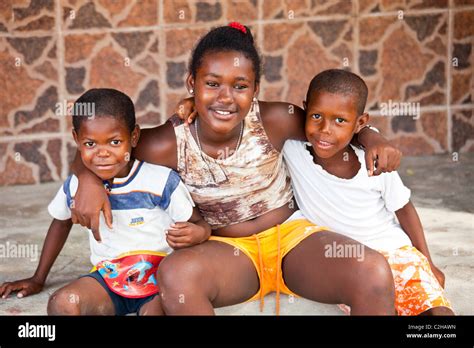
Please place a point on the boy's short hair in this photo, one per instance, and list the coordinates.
(99, 102)
(339, 81)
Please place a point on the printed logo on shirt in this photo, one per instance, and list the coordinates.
(136, 221)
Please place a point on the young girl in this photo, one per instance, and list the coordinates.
(230, 160)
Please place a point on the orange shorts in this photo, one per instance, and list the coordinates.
(267, 249)
(416, 287)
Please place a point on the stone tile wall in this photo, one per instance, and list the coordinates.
(412, 51)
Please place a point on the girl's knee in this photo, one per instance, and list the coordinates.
(376, 275)
(181, 270)
(64, 302)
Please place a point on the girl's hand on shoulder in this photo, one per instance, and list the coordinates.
(382, 157)
(186, 111)
(91, 198)
(185, 234)
(24, 287)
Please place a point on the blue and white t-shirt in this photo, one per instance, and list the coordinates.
(144, 204)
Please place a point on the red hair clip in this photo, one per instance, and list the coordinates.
(238, 26)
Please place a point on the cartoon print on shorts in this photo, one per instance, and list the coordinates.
(109, 270)
(131, 276)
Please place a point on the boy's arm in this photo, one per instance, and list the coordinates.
(52, 246)
(185, 234)
(411, 224)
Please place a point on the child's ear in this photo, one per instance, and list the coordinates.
(76, 139)
(362, 121)
(190, 83)
(135, 136)
(257, 90)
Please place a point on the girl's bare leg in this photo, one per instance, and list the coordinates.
(197, 279)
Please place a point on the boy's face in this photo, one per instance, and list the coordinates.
(105, 144)
(331, 121)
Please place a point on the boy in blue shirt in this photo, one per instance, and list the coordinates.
(152, 210)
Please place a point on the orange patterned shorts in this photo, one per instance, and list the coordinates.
(416, 287)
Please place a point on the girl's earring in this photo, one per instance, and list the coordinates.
(308, 144)
(191, 91)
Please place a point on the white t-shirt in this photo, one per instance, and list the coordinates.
(144, 204)
(361, 208)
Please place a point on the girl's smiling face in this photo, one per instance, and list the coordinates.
(224, 87)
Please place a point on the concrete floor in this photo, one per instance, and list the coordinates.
(442, 191)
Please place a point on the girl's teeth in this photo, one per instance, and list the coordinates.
(223, 112)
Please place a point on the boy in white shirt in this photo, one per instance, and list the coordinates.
(333, 188)
(153, 214)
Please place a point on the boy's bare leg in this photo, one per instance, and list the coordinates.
(84, 296)
(152, 307)
(438, 311)
(212, 274)
(364, 283)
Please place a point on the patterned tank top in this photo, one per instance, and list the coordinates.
(234, 187)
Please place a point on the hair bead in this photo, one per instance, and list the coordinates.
(238, 26)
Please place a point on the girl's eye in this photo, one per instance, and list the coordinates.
(340, 120)
(316, 116)
(241, 86)
(89, 144)
(211, 84)
(116, 142)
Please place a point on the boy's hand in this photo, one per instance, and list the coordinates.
(185, 234)
(186, 111)
(386, 157)
(25, 287)
(438, 274)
